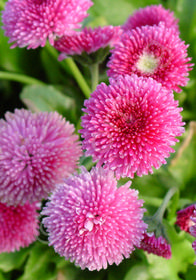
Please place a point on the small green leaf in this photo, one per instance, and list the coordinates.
(41, 263)
(138, 272)
(10, 261)
(47, 98)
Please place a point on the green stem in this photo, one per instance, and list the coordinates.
(19, 78)
(161, 210)
(69, 63)
(156, 202)
(94, 75)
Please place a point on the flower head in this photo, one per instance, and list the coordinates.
(88, 40)
(130, 125)
(152, 51)
(92, 222)
(31, 22)
(192, 230)
(36, 151)
(151, 15)
(184, 218)
(155, 245)
(19, 226)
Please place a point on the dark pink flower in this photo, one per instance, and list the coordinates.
(88, 40)
(36, 151)
(151, 15)
(192, 230)
(92, 222)
(152, 51)
(19, 226)
(155, 245)
(131, 125)
(184, 220)
(31, 22)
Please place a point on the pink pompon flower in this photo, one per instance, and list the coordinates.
(92, 222)
(155, 245)
(192, 230)
(130, 125)
(184, 218)
(88, 40)
(19, 226)
(36, 151)
(152, 51)
(151, 15)
(31, 22)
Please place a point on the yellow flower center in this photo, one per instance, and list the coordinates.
(147, 63)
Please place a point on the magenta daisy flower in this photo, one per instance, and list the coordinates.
(155, 245)
(88, 40)
(151, 15)
(19, 226)
(184, 220)
(152, 51)
(31, 22)
(192, 230)
(131, 125)
(92, 222)
(36, 151)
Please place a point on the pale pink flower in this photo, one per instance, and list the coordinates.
(88, 40)
(151, 15)
(31, 22)
(155, 245)
(92, 222)
(130, 125)
(152, 51)
(184, 218)
(36, 151)
(19, 226)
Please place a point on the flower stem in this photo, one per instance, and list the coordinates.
(94, 75)
(71, 65)
(161, 210)
(20, 78)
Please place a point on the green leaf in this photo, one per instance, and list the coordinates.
(41, 263)
(10, 261)
(138, 272)
(47, 98)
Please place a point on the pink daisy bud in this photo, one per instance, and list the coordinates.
(19, 226)
(184, 220)
(36, 151)
(155, 245)
(152, 51)
(92, 222)
(31, 22)
(151, 15)
(88, 40)
(131, 125)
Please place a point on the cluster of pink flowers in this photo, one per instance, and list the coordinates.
(37, 150)
(129, 128)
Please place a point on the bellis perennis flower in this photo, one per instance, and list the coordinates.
(36, 151)
(131, 125)
(19, 226)
(151, 15)
(156, 245)
(184, 217)
(87, 40)
(31, 22)
(92, 222)
(152, 51)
